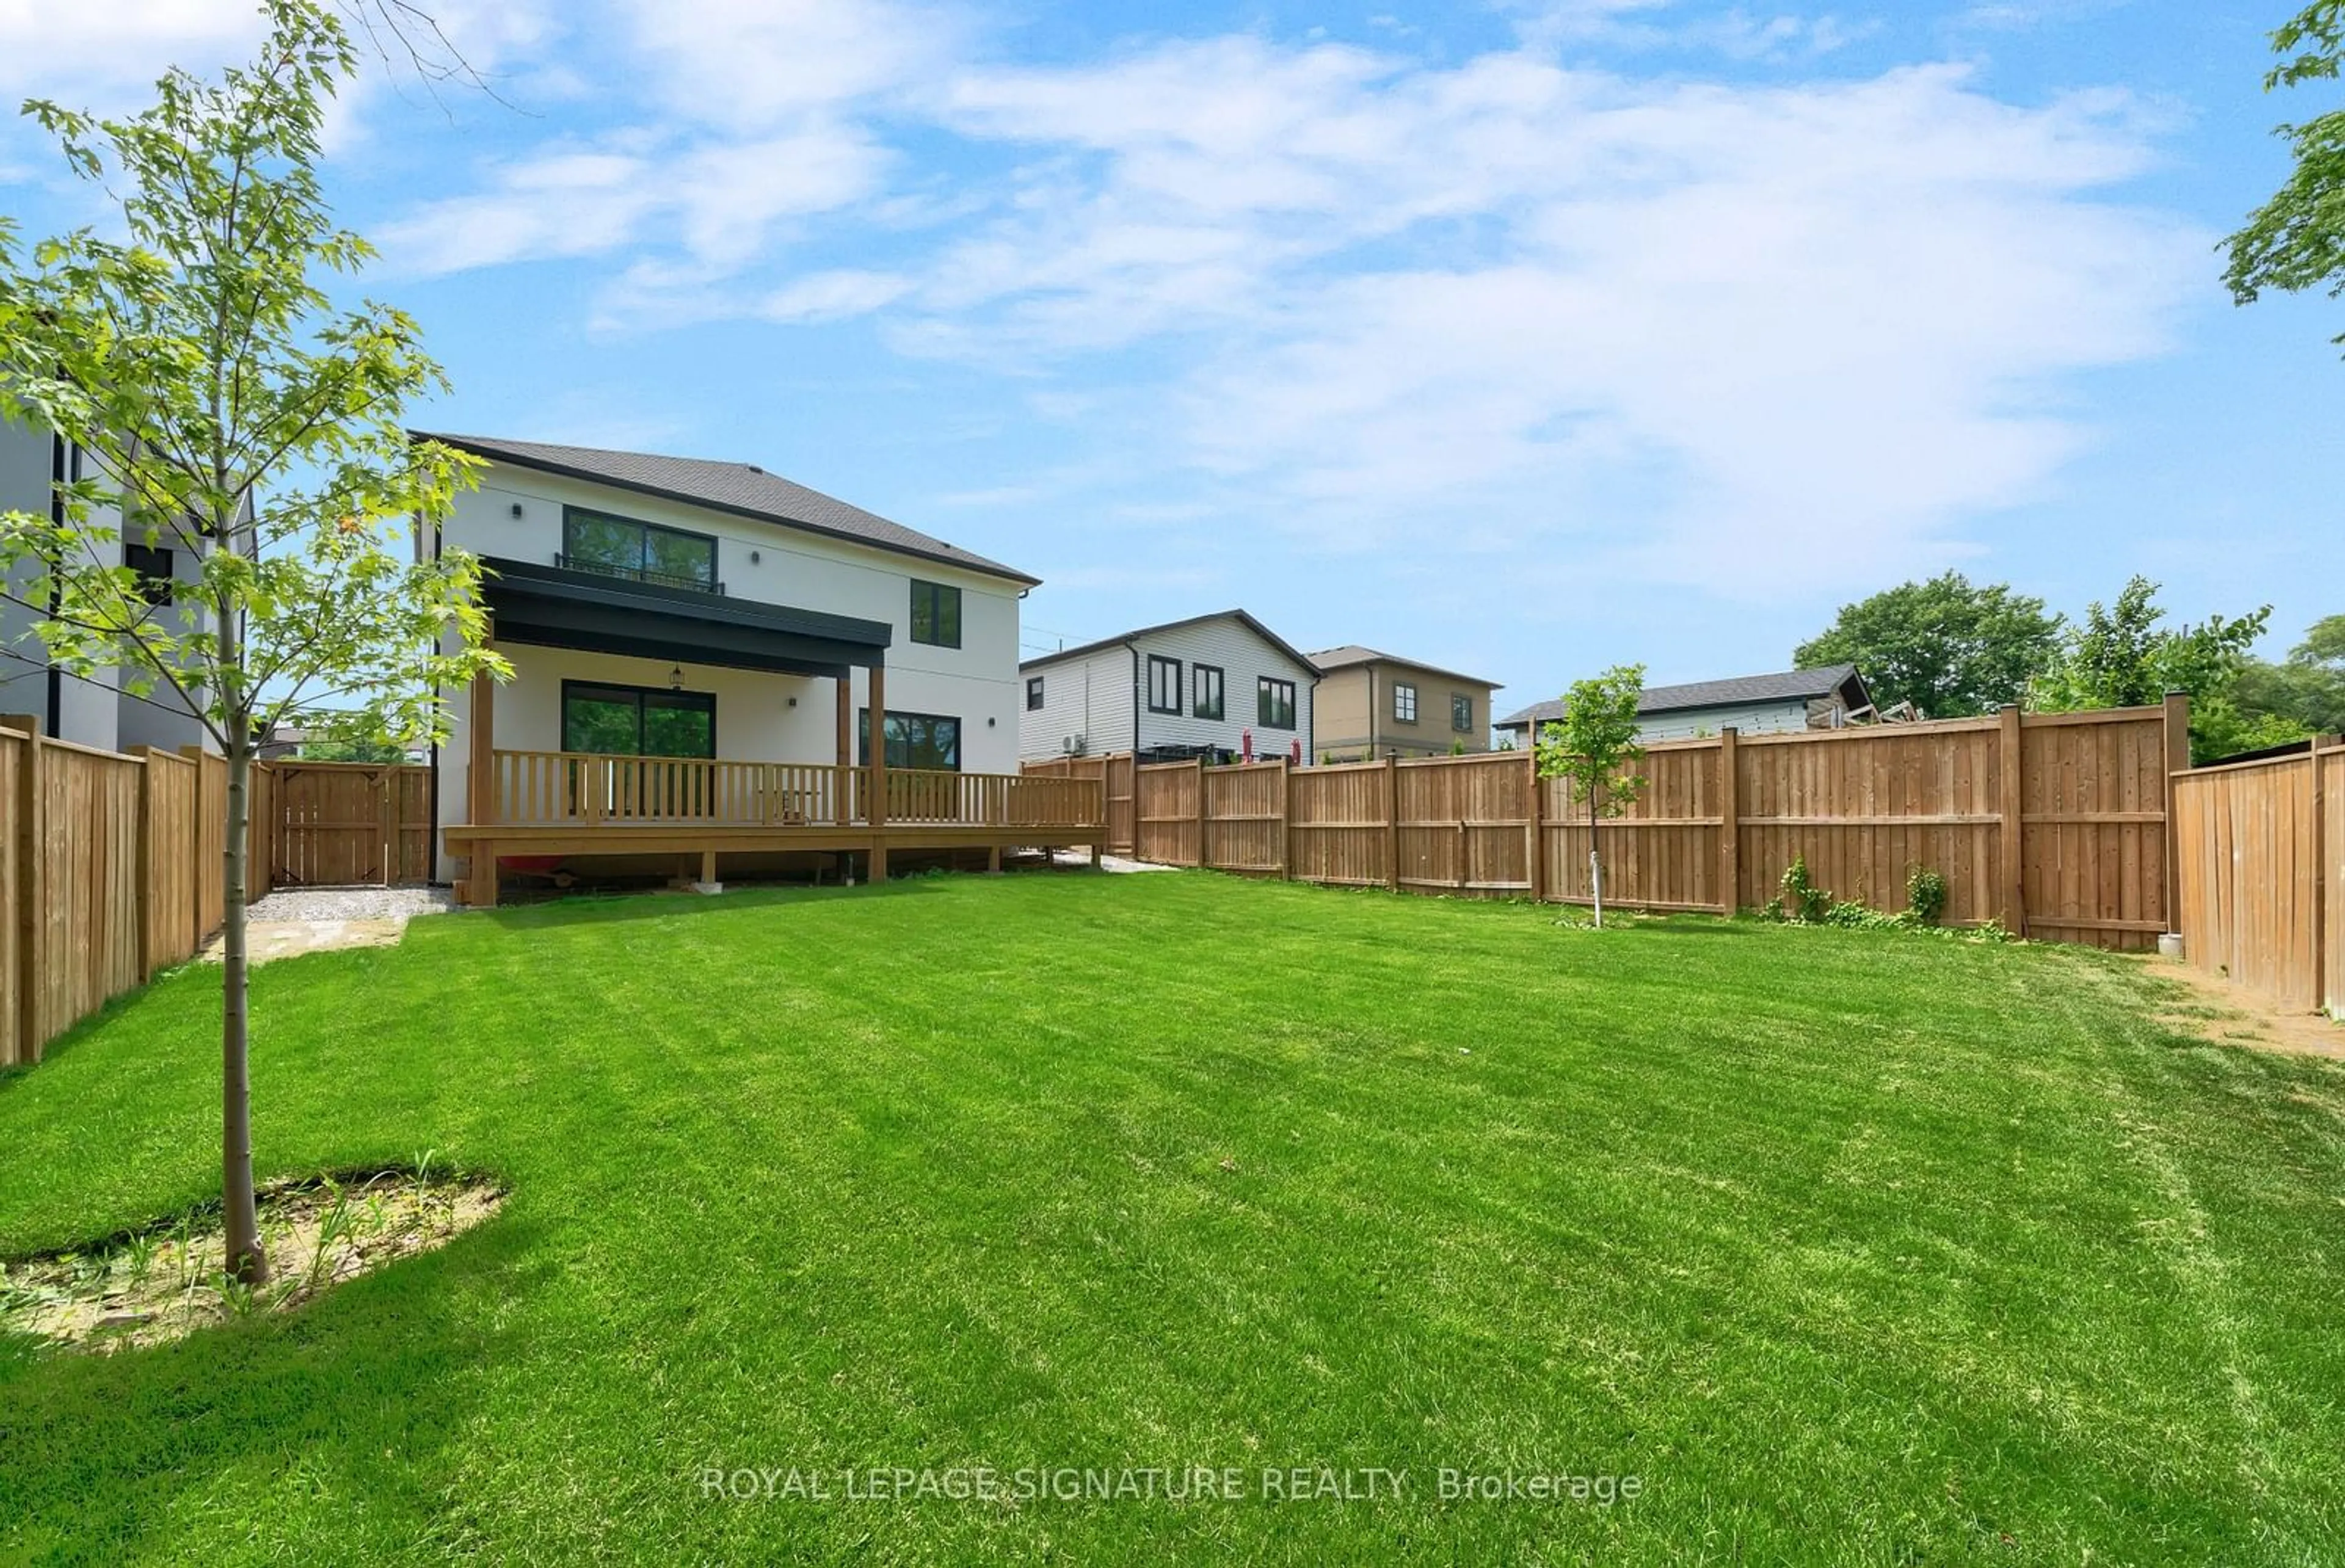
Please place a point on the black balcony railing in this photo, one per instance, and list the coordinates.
(639, 574)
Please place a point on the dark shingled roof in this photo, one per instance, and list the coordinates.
(1789, 685)
(744, 490)
(1352, 653)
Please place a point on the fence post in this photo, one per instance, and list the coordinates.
(145, 902)
(2177, 760)
(31, 893)
(1202, 861)
(1392, 824)
(1535, 839)
(2013, 830)
(1285, 821)
(1730, 822)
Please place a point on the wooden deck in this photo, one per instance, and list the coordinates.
(550, 805)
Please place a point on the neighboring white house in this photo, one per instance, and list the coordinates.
(682, 607)
(87, 709)
(1826, 699)
(1205, 685)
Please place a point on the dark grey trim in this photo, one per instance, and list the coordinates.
(549, 606)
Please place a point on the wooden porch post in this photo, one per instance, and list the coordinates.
(878, 809)
(845, 684)
(481, 788)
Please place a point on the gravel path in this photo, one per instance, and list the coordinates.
(352, 904)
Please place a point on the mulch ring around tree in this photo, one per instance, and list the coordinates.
(165, 1282)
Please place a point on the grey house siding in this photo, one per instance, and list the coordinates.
(1101, 694)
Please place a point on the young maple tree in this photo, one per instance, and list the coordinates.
(1595, 747)
(227, 407)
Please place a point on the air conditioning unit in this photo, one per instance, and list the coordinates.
(1072, 746)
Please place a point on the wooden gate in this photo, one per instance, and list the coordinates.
(339, 825)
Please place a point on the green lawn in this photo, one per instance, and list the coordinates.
(1848, 1246)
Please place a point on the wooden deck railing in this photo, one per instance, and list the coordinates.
(575, 787)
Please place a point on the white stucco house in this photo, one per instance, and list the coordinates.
(92, 710)
(1827, 699)
(723, 636)
(1210, 684)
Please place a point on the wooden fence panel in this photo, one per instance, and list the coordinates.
(1865, 807)
(172, 866)
(1463, 825)
(1168, 798)
(1245, 818)
(2251, 880)
(2092, 789)
(1660, 853)
(1338, 833)
(92, 926)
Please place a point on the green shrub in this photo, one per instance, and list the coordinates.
(1803, 900)
(1925, 895)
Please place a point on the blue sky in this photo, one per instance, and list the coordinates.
(1520, 338)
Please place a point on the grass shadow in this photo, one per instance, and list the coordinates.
(596, 909)
(365, 1390)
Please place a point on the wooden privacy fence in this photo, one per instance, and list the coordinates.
(2053, 824)
(2261, 875)
(111, 869)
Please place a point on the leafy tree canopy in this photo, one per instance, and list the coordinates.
(2296, 240)
(2122, 655)
(2307, 689)
(1948, 646)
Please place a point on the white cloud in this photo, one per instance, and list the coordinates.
(1740, 333)
(829, 295)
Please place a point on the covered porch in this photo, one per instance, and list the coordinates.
(533, 805)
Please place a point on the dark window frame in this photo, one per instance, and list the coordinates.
(669, 697)
(1197, 685)
(157, 571)
(934, 594)
(863, 738)
(1397, 716)
(1268, 691)
(1171, 702)
(1461, 712)
(641, 572)
(1033, 693)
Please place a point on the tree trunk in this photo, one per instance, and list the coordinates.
(246, 1262)
(1595, 862)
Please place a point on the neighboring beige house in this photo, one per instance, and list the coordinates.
(1831, 698)
(1375, 704)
